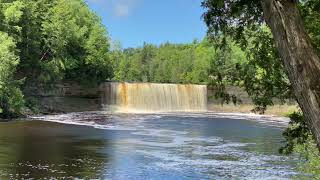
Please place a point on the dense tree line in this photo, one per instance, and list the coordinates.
(46, 41)
(172, 63)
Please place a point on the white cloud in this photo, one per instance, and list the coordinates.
(119, 8)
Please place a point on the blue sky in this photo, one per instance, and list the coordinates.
(133, 22)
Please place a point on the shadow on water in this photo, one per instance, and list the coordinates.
(37, 149)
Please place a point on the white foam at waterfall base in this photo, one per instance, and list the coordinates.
(126, 121)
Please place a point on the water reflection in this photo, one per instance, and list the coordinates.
(38, 150)
(99, 145)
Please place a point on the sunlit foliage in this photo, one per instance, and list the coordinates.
(48, 41)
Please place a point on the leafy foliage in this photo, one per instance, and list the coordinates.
(311, 16)
(228, 18)
(297, 133)
(309, 156)
(76, 43)
(11, 98)
(47, 41)
(57, 40)
(263, 76)
(168, 63)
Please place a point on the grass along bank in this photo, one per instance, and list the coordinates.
(276, 110)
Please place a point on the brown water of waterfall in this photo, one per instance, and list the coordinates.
(152, 97)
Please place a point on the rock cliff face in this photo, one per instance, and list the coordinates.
(67, 89)
(64, 97)
(241, 94)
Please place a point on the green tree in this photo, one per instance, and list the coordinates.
(167, 63)
(76, 42)
(233, 18)
(11, 98)
(204, 54)
(55, 40)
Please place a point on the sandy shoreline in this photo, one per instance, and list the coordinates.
(276, 110)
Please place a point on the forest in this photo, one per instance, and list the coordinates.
(51, 41)
(46, 42)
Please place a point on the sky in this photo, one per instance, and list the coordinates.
(133, 22)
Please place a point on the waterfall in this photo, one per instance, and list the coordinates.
(152, 97)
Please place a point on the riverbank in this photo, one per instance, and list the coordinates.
(65, 106)
(277, 110)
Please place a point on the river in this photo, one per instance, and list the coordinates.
(100, 145)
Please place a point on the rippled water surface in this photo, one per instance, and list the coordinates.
(97, 145)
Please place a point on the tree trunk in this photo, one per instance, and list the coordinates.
(298, 56)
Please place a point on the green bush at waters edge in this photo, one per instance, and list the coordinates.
(299, 141)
